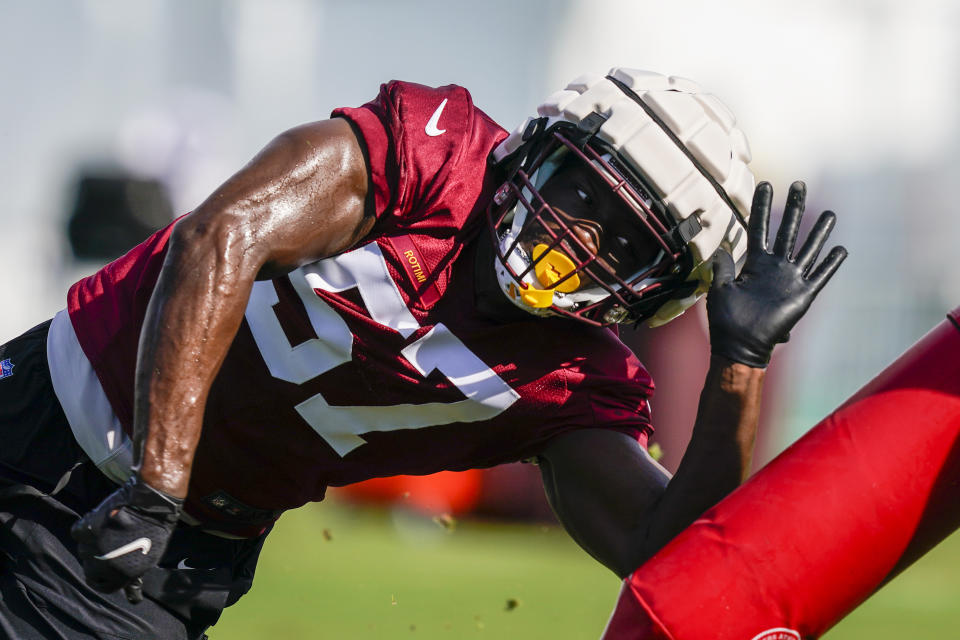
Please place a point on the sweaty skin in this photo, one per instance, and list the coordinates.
(302, 198)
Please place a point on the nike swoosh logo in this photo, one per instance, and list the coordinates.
(183, 565)
(143, 544)
(431, 128)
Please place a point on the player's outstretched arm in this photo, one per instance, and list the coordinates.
(619, 504)
(300, 199)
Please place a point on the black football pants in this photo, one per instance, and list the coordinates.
(46, 483)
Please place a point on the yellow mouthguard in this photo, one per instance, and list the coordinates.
(537, 298)
(554, 266)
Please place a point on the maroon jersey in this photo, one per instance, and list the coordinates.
(375, 362)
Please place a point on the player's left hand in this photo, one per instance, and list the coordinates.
(751, 313)
(125, 536)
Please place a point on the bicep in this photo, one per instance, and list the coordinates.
(603, 486)
(302, 198)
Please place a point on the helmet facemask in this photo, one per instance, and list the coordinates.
(543, 260)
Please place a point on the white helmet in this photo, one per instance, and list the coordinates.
(669, 151)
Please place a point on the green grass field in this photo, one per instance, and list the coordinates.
(335, 572)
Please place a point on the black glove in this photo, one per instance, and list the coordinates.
(751, 313)
(124, 536)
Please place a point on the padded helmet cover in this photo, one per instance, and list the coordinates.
(681, 142)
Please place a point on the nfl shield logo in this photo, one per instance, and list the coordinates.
(6, 369)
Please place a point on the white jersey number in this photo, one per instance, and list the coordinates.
(487, 395)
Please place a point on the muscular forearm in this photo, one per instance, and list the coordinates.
(301, 199)
(191, 320)
(718, 457)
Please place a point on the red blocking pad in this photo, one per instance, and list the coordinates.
(856, 500)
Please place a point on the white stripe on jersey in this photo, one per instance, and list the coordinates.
(88, 411)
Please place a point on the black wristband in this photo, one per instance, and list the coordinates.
(152, 502)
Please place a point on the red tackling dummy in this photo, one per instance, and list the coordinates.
(859, 498)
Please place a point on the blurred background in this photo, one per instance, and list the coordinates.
(120, 115)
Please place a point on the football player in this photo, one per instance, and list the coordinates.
(401, 289)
